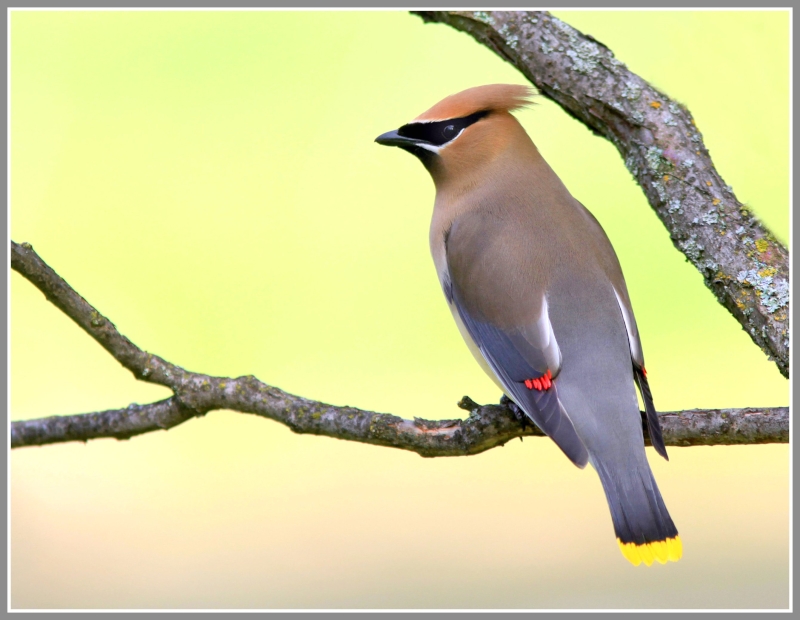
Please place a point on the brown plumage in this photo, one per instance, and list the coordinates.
(506, 97)
(539, 296)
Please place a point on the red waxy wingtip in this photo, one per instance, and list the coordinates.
(541, 383)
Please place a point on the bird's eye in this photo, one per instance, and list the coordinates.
(449, 132)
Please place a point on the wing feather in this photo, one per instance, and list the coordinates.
(653, 424)
(637, 357)
(501, 301)
(514, 359)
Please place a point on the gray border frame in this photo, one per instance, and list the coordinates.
(554, 4)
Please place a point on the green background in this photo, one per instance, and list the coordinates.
(209, 181)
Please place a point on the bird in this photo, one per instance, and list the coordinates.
(538, 294)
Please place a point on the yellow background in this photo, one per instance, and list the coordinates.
(209, 181)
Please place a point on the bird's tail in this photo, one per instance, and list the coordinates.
(645, 532)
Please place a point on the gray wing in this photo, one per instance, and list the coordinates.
(517, 354)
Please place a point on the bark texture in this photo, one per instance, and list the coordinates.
(742, 263)
(196, 394)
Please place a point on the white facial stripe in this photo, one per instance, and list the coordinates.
(430, 147)
(453, 139)
(436, 149)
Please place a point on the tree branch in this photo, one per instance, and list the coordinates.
(197, 394)
(742, 263)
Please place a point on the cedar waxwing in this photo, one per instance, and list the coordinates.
(538, 295)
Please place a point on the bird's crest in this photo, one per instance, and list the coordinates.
(491, 97)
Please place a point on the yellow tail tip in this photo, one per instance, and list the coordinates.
(662, 551)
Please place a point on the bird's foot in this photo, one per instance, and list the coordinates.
(519, 414)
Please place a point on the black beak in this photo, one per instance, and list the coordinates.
(412, 145)
(392, 138)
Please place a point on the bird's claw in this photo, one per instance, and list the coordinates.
(519, 414)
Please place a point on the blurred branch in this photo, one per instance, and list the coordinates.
(196, 394)
(742, 263)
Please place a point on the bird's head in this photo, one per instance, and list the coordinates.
(465, 131)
